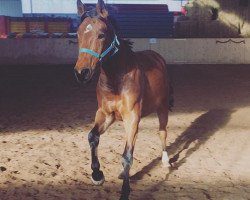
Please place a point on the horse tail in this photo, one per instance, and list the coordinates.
(171, 97)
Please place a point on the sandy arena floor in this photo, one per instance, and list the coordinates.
(45, 118)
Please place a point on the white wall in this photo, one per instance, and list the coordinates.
(175, 51)
(201, 51)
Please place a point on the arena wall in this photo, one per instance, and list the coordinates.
(175, 51)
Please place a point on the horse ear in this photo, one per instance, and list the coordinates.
(101, 9)
(81, 8)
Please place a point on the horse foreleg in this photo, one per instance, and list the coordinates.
(131, 122)
(102, 122)
(97, 176)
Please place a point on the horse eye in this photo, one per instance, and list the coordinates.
(100, 36)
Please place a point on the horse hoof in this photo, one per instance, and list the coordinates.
(97, 178)
(165, 159)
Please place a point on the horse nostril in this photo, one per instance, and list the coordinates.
(83, 76)
(86, 73)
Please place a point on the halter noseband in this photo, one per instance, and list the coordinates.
(113, 46)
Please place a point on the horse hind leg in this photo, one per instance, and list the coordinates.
(163, 121)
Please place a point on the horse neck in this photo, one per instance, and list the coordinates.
(116, 67)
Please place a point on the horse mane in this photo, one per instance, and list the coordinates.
(128, 44)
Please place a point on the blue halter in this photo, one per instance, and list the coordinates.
(114, 46)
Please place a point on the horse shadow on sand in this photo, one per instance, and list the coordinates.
(190, 140)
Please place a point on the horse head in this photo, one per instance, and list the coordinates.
(97, 40)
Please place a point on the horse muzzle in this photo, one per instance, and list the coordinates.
(84, 76)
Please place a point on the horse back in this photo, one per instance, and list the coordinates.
(150, 59)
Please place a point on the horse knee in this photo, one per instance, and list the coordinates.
(127, 161)
(93, 138)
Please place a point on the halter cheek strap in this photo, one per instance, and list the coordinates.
(113, 47)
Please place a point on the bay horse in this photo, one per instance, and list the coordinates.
(131, 85)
